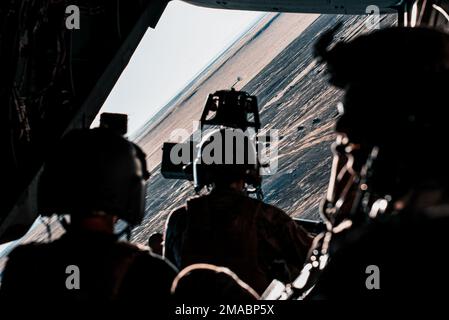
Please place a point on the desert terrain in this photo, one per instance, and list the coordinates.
(276, 61)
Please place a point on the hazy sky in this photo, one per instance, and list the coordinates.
(185, 40)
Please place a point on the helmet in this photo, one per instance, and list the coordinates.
(224, 156)
(396, 83)
(398, 54)
(94, 170)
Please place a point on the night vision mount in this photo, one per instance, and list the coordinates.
(232, 109)
(224, 108)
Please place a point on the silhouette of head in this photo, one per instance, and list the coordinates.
(205, 283)
(94, 173)
(155, 243)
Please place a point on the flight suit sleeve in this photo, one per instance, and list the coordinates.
(174, 231)
(300, 241)
(288, 242)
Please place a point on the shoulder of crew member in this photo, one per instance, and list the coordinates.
(174, 229)
(175, 223)
(176, 215)
(281, 224)
(279, 217)
(276, 214)
(148, 260)
(30, 251)
(26, 249)
(149, 274)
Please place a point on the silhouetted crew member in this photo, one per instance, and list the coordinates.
(96, 177)
(206, 283)
(155, 243)
(228, 228)
(394, 120)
